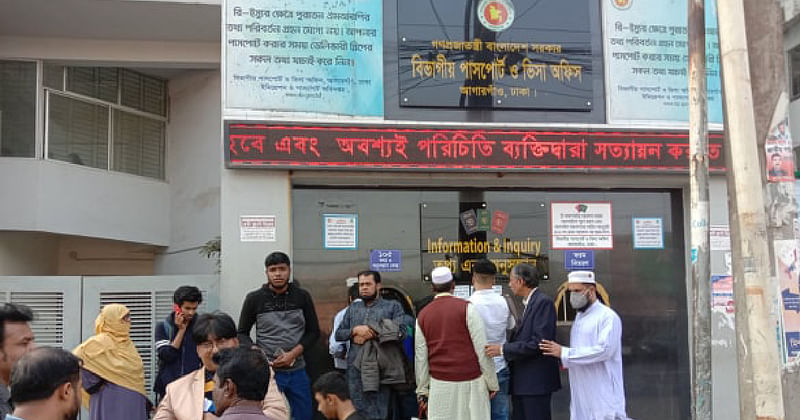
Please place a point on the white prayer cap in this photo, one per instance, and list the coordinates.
(441, 275)
(581, 277)
(351, 281)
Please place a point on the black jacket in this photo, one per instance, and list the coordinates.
(533, 373)
(174, 363)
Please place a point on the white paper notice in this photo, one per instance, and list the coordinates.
(462, 291)
(648, 233)
(341, 231)
(720, 237)
(581, 225)
(257, 228)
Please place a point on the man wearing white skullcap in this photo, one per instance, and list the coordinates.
(455, 378)
(594, 358)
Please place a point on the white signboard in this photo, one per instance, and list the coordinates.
(341, 231)
(463, 291)
(720, 237)
(257, 228)
(648, 233)
(581, 225)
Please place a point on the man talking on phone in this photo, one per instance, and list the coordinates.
(177, 351)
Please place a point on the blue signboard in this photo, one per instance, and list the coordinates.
(579, 260)
(793, 343)
(383, 260)
(304, 55)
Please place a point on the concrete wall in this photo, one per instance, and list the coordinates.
(246, 193)
(62, 198)
(723, 336)
(194, 161)
(28, 254)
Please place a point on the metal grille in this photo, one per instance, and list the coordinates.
(48, 307)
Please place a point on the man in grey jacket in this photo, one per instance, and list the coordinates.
(355, 326)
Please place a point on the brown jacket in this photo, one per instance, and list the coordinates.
(184, 399)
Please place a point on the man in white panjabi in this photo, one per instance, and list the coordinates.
(455, 378)
(594, 357)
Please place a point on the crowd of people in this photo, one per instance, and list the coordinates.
(460, 359)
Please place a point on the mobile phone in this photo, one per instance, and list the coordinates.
(176, 308)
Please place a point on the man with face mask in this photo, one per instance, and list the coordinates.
(355, 327)
(594, 358)
(46, 385)
(534, 377)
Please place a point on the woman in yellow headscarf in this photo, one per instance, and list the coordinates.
(113, 373)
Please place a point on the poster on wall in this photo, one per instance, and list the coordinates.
(646, 56)
(507, 57)
(787, 267)
(648, 233)
(722, 302)
(304, 55)
(584, 225)
(340, 231)
(778, 147)
(257, 228)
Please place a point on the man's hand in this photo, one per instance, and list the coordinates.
(550, 348)
(422, 401)
(181, 321)
(362, 333)
(209, 416)
(288, 358)
(493, 350)
(492, 394)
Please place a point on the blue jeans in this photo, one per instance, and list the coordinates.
(297, 388)
(500, 401)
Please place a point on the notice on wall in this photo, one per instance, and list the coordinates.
(341, 231)
(787, 267)
(385, 260)
(719, 237)
(583, 225)
(304, 55)
(648, 233)
(257, 228)
(646, 55)
(463, 291)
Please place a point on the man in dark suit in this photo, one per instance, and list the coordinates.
(534, 377)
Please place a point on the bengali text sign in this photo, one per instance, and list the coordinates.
(304, 55)
(646, 57)
(364, 147)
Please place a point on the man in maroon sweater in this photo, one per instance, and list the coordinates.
(455, 378)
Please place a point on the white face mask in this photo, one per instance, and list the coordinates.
(578, 301)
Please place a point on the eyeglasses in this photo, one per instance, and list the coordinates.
(211, 344)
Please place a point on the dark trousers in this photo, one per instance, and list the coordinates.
(531, 407)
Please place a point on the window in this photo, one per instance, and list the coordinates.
(794, 69)
(106, 118)
(17, 108)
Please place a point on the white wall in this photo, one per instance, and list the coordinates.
(244, 193)
(58, 197)
(194, 161)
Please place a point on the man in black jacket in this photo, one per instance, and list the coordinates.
(177, 352)
(286, 324)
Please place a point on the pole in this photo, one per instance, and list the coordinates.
(757, 347)
(765, 22)
(700, 212)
